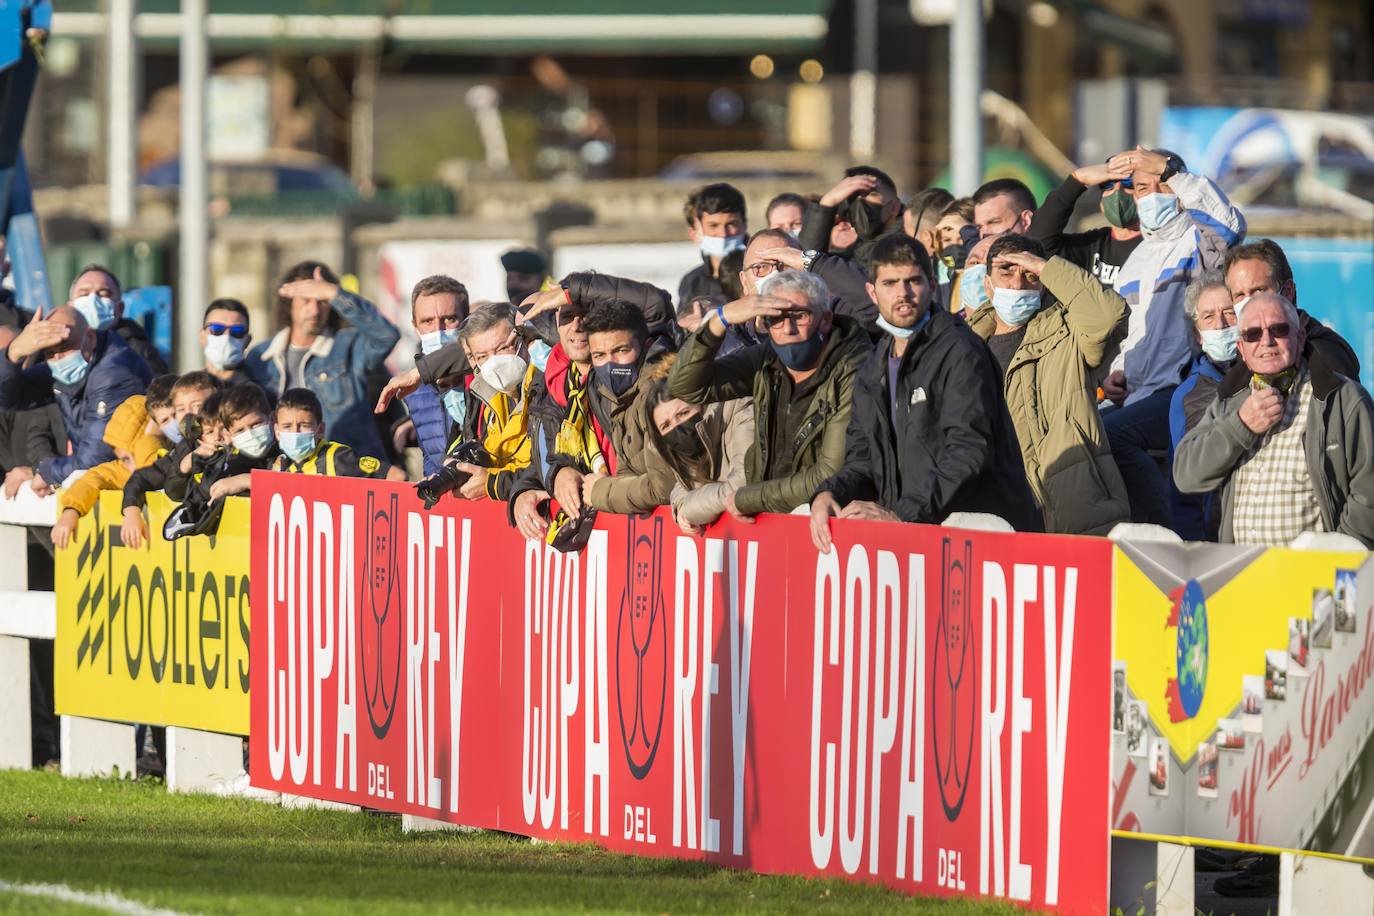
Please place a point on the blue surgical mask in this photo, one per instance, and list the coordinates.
(972, 296)
(1220, 344)
(297, 446)
(718, 246)
(539, 354)
(437, 340)
(70, 369)
(799, 356)
(255, 442)
(455, 403)
(1157, 210)
(903, 333)
(172, 430)
(98, 310)
(1015, 306)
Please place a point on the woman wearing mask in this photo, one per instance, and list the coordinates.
(1207, 303)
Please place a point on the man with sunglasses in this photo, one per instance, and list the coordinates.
(224, 339)
(1290, 448)
(1100, 251)
(801, 380)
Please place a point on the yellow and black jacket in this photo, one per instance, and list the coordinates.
(334, 459)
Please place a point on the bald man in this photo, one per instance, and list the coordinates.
(88, 373)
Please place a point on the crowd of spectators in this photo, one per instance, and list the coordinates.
(861, 356)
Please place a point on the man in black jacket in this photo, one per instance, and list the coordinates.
(98, 295)
(1101, 251)
(719, 227)
(929, 433)
(865, 199)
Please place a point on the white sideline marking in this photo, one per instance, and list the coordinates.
(104, 900)
(1359, 831)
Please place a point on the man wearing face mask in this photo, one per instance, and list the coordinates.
(1099, 251)
(921, 220)
(866, 199)
(622, 353)
(224, 338)
(970, 293)
(800, 378)
(498, 402)
(96, 293)
(929, 434)
(438, 305)
(1207, 303)
(1186, 224)
(720, 225)
(87, 372)
(1049, 352)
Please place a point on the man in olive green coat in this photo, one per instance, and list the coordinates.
(801, 380)
(1051, 356)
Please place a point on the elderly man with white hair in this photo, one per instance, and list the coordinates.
(1292, 449)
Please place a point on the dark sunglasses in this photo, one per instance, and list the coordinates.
(1277, 331)
(570, 313)
(799, 316)
(1123, 183)
(235, 330)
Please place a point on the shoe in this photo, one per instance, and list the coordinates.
(1260, 879)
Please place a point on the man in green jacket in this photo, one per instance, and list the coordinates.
(801, 380)
(1051, 357)
(1291, 446)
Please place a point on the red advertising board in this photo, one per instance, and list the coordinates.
(923, 707)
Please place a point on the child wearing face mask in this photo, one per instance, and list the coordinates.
(187, 396)
(134, 445)
(300, 431)
(245, 443)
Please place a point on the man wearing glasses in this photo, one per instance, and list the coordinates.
(801, 379)
(1290, 448)
(224, 338)
(1100, 251)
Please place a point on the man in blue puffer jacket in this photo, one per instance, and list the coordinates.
(438, 304)
(313, 350)
(88, 373)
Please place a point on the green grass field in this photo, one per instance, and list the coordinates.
(216, 855)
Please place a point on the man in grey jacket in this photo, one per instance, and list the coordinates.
(1292, 448)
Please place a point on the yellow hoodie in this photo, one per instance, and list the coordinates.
(126, 430)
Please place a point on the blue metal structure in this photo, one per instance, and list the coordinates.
(24, 26)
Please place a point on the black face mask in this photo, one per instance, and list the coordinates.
(618, 378)
(865, 217)
(683, 440)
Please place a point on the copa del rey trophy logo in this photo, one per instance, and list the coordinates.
(381, 617)
(954, 679)
(641, 647)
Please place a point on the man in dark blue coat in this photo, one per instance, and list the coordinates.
(88, 373)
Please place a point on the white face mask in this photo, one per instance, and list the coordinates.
(718, 246)
(224, 351)
(504, 372)
(256, 441)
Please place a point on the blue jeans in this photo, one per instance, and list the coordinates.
(1134, 431)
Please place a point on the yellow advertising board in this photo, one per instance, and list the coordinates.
(157, 635)
(1240, 708)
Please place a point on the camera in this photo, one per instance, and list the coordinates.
(449, 478)
(191, 429)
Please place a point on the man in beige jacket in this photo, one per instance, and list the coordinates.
(1052, 356)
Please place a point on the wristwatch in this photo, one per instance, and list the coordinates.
(1172, 166)
(809, 257)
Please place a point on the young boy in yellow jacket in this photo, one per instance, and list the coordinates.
(299, 427)
(134, 447)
